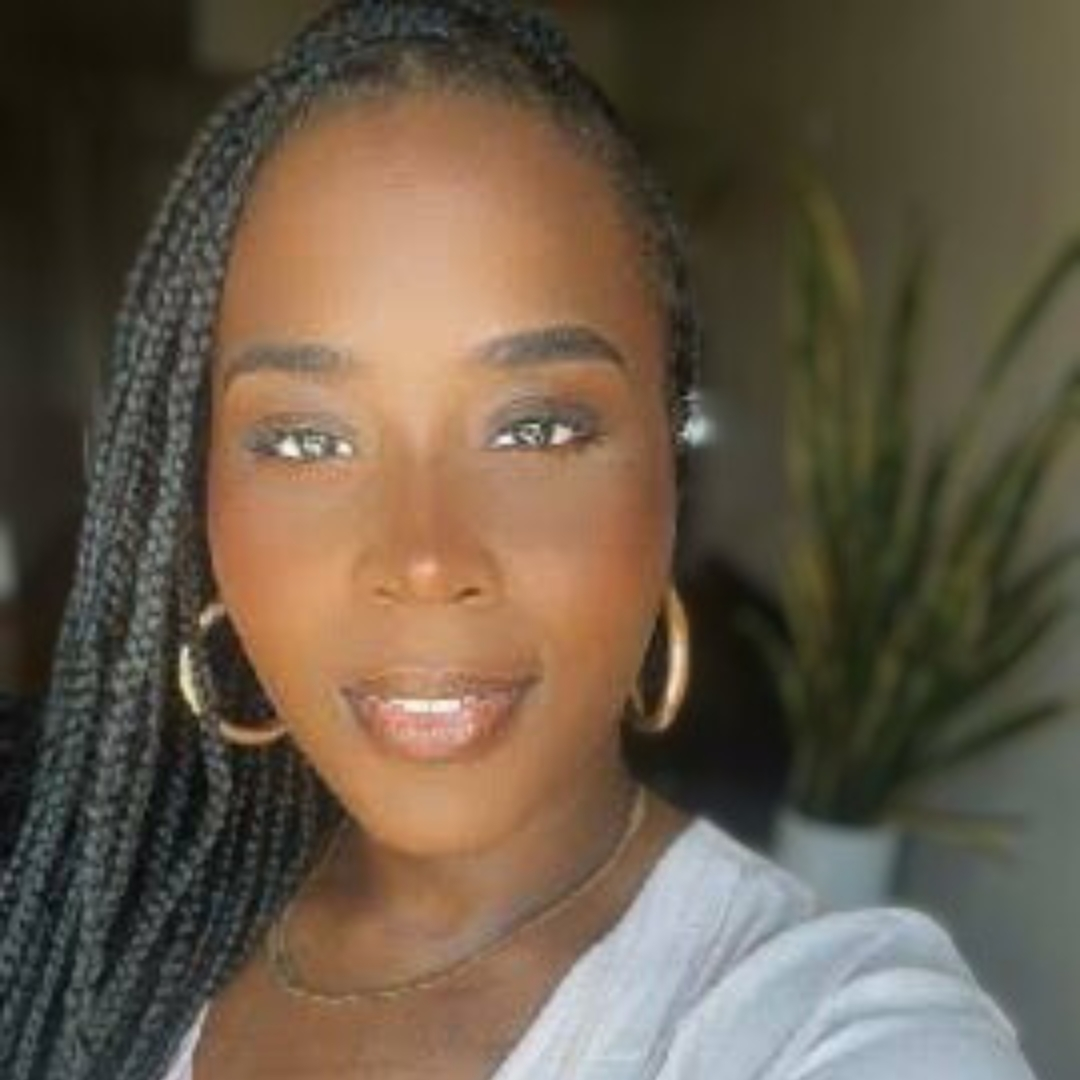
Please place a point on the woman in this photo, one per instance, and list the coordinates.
(382, 517)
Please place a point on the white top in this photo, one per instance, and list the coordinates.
(725, 966)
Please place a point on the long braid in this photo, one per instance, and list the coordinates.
(152, 854)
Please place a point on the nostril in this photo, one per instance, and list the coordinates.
(391, 574)
(383, 595)
(388, 594)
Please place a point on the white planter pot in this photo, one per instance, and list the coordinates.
(848, 866)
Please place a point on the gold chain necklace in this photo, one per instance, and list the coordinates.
(284, 970)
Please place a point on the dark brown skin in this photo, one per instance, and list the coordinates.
(405, 237)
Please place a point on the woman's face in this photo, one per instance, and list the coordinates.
(439, 441)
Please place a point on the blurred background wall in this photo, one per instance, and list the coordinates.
(956, 114)
(961, 115)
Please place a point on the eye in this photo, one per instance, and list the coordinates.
(560, 429)
(299, 443)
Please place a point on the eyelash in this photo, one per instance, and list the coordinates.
(303, 438)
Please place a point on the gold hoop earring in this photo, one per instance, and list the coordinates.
(241, 734)
(678, 672)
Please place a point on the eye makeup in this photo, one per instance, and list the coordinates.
(300, 438)
(546, 414)
(542, 423)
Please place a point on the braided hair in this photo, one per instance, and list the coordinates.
(152, 854)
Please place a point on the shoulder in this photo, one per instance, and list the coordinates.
(734, 896)
(793, 992)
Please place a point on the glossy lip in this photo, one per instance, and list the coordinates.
(490, 703)
(436, 682)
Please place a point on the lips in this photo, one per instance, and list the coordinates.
(436, 715)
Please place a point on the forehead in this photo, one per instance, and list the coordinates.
(444, 204)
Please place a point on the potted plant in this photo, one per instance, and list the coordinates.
(905, 594)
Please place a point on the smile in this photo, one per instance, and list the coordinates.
(446, 727)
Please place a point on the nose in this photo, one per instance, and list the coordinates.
(421, 547)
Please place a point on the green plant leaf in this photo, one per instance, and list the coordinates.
(905, 596)
(986, 737)
(1019, 593)
(993, 834)
(1031, 310)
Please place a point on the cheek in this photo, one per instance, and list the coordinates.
(270, 560)
(602, 537)
(589, 559)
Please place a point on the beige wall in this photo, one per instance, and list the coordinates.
(965, 112)
(236, 35)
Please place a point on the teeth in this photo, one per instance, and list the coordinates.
(431, 705)
(432, 727)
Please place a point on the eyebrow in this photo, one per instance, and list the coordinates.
(549, 344)
(561, 343)
(300, 358)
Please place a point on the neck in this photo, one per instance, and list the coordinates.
(472, 895)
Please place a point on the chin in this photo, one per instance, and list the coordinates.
(431, 824)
